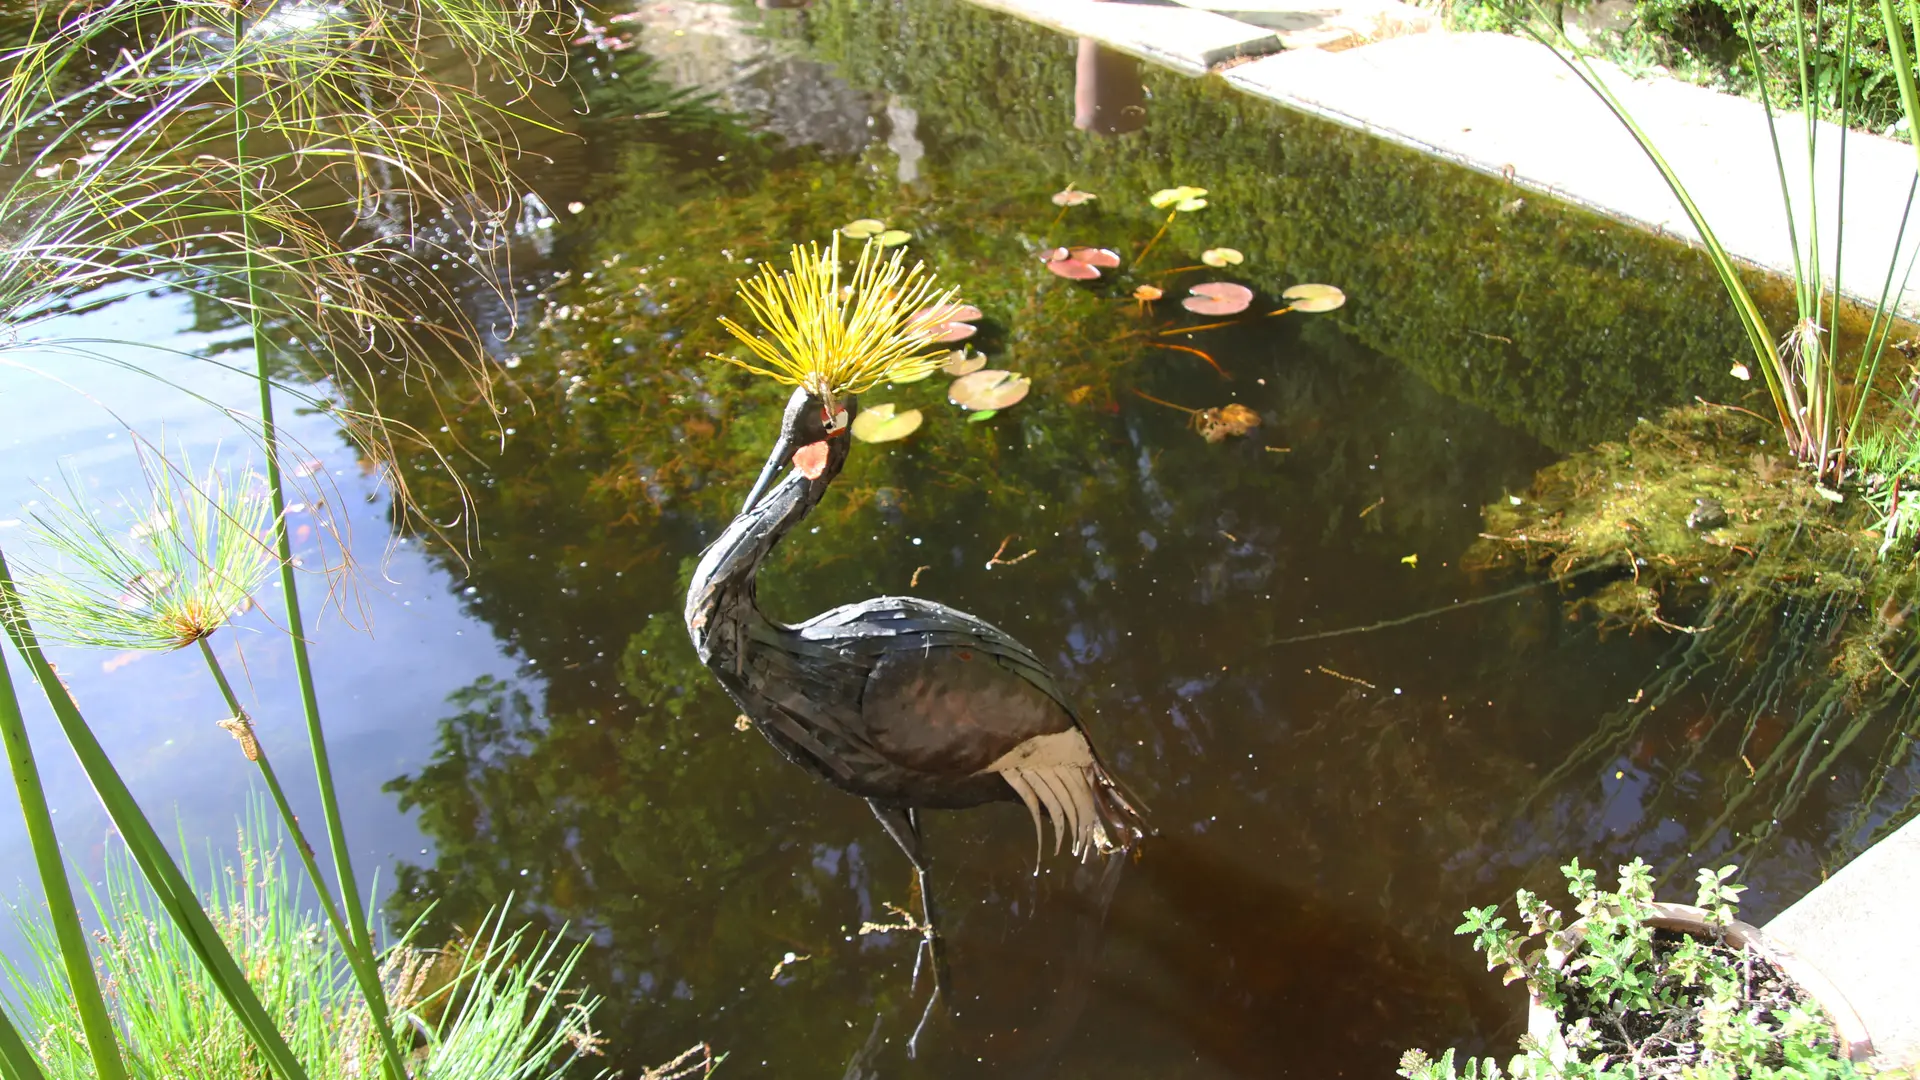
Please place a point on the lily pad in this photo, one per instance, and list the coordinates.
(1073, 269)
(990, 388)
(982, 415)
(1222, 256)
(1218, 298)
(948, 333)
(862, 228)
(880, 423)
(1148, 292)
(1312, 298)
(950, 322)
(949, 313)
(893, 238)
(1096, 257)
(963, 363)
(1070, 197)
(1184, 199)
(926, 374)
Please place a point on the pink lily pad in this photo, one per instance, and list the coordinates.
(1096, 257)
(1218, 298)
(946, 313)
(948, 333)
(1073, 269)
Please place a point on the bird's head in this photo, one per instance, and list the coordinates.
(813, 437)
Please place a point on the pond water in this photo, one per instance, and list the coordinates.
(1342, 733)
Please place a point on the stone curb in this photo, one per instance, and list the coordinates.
(1857, 928)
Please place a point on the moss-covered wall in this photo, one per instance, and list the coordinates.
(1554, 319)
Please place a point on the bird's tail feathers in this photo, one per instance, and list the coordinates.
(1060, 781)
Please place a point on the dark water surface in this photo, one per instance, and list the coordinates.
(1274, 638)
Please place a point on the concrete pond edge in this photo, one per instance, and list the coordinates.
(1510, 108)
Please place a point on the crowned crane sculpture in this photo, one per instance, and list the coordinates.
(903, 702)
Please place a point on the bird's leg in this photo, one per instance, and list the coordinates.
(905, 831)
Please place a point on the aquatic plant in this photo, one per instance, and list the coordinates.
(1823, 405)
(498, 1005)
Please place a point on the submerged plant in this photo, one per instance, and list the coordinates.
(837, 338)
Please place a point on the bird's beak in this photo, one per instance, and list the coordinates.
(782, 454)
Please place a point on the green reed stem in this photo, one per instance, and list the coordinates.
(357, 940)
(16, 1061)
(365, 970)
(95, 1022)
(163, 874)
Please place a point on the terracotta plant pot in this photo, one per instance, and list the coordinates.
(1852, 1034)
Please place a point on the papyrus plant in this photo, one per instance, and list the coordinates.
(302, 168)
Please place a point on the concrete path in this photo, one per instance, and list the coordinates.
(1857, 929)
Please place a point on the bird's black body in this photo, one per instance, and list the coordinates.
(901, 701)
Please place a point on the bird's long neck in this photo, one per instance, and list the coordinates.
(723, 588)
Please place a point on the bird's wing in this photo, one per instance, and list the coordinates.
(891, 624)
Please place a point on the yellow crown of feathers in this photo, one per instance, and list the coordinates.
(837, 337)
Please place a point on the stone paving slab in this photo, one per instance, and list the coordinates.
(1326, 24)
(1164, 32)
(1510, 107)
(1857, 929)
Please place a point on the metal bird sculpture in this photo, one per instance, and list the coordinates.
(906, 703)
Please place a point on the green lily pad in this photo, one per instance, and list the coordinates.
(982, 416)
(863, 228)
(1222, 257)
(893, 237)
(914, 378)
(990, 389)
(880, 423)
(1182, 198)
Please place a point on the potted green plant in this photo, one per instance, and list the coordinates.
(1637, 990)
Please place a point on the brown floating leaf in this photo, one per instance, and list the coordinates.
(1073, 269)
(988, 390)
(1096, 257)
(1070, 197)
(961, 363)
(1148, 292)
(1311, 298)
(1216, 424)
(1218, 298)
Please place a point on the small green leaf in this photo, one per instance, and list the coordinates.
(893, 238)
(862, 228)
(982, 415)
